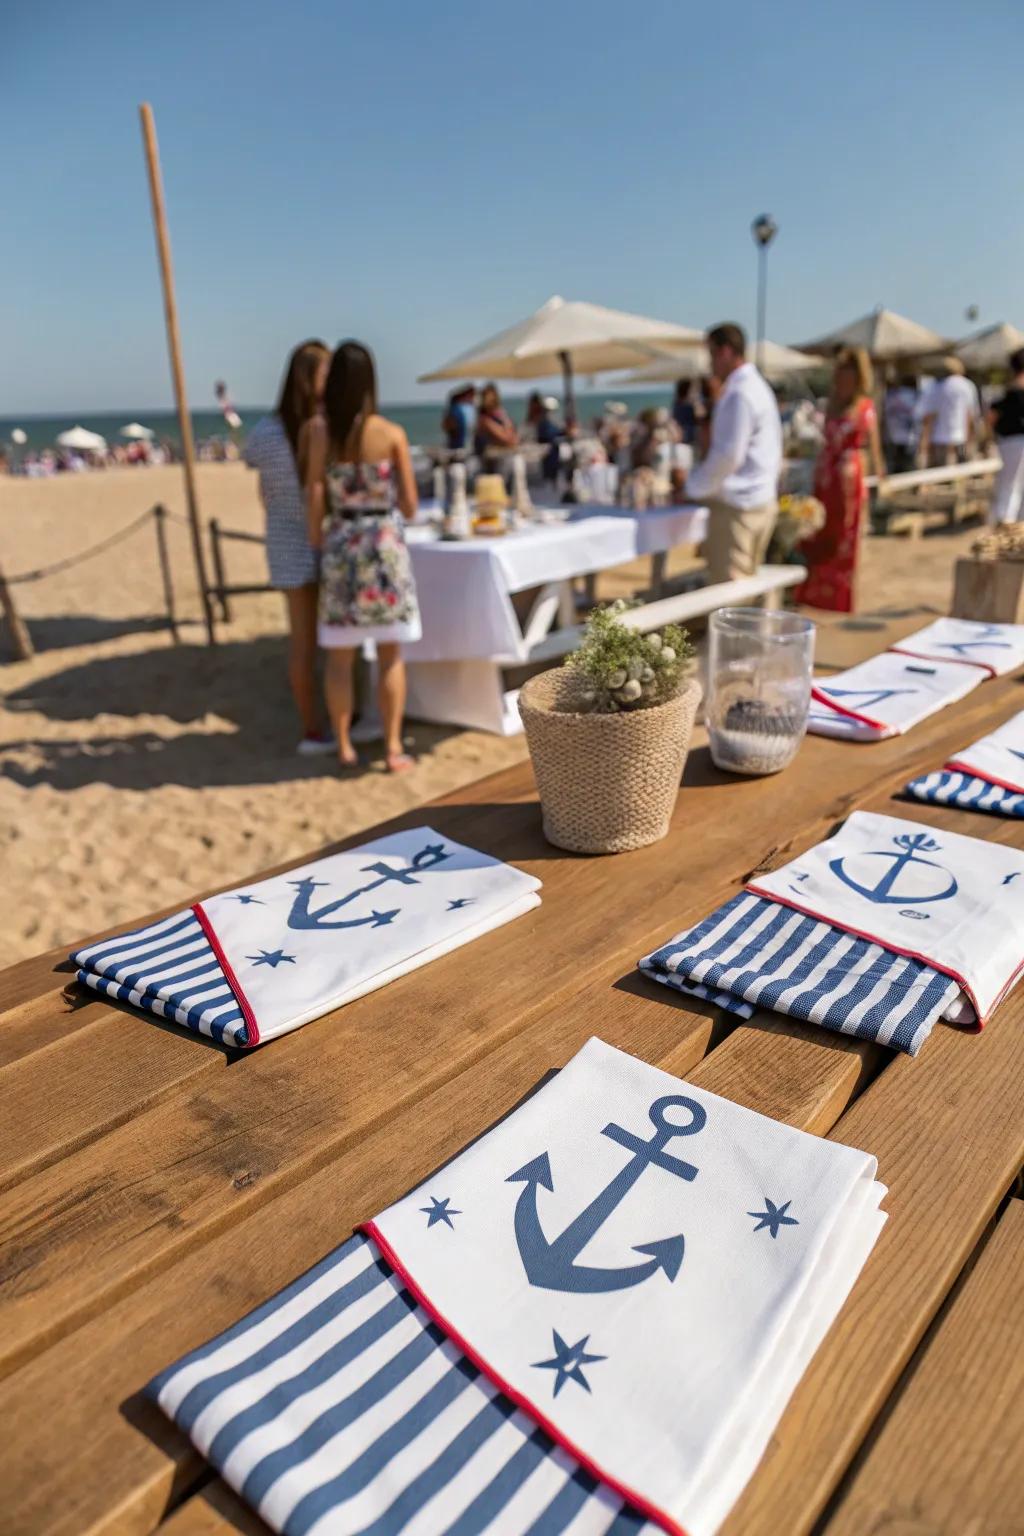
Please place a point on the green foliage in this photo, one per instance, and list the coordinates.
(623, 669)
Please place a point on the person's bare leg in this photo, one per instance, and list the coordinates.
(391, 693)
(302, 603)
(338, 687)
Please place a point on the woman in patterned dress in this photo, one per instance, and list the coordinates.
(851, 429)
(360, 487)
(276, 448)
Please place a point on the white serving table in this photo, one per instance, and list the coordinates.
(470, 628)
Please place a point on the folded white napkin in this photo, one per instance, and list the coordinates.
(755, 953)
(995, 648)
(954, 902)
(596, 1313)
(965, 792)
(886, 696)
(988, 776)
(256, 962)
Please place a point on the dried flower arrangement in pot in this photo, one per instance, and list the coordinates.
(609, 732)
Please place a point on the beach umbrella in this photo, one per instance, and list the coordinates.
(83, 441)
(664, 367)
(989, 348)
(565, 335)
(137, 433)
(884, 335)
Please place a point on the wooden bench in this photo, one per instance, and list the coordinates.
(924, 498)
(153, 1190)
(682, 608)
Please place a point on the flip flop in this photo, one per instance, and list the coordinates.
(399, 762)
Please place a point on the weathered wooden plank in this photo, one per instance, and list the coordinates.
(948, 1131)
(948, 1461)
(40, 1021)
(55, 1098)
(214, 1511)
(108, 1462)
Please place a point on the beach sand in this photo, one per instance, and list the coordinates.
(134, 772)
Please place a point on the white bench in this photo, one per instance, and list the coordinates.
(680, 609)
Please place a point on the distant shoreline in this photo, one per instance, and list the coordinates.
(421, 419)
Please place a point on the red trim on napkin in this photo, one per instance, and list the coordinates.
(976, 773)
(243, 1002)
(644, 1506)
(961, 661)
(841, 709)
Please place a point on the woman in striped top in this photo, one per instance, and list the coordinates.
(277, 447)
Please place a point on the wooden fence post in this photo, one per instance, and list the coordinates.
(159, 516)
(15, 624)
(218, 570)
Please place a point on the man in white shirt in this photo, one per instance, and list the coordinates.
(952, 413)
(739, 479)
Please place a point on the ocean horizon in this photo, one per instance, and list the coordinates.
(421, 419)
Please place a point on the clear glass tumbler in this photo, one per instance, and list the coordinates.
(760, 664)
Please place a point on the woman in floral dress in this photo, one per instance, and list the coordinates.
(851, 428)
(360, 487)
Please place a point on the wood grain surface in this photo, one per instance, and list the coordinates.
(153, 1189)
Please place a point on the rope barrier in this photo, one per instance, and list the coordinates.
(82, 555)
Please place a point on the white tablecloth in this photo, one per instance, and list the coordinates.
(464, 587)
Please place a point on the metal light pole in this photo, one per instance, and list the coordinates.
(764, 229)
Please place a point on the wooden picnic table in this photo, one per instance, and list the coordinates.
(154, 1187)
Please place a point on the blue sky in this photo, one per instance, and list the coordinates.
(419, 175)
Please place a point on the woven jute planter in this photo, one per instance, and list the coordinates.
(607, 782)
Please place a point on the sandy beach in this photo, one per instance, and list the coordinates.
(134, 771)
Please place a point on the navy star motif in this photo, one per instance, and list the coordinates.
(439, 1210)
(249, 901)
(380, 919)
(773, 1217)
(271, 957)
(434, 849)
(568, 1361)
(462, 901)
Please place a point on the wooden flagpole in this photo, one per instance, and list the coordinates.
(156, 192)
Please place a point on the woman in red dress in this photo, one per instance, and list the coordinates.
(851, 428)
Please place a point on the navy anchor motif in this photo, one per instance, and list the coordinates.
(867, 696)
(962, 646)
(912, 845)
(552, 1265)
(300, 915)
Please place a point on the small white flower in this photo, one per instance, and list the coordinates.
(667, 653)
(654, 641)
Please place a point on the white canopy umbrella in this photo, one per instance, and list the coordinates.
(989, 348)
(665, 366)
(566, 335)
(884, 335)
(137, 433)
(82, 440)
